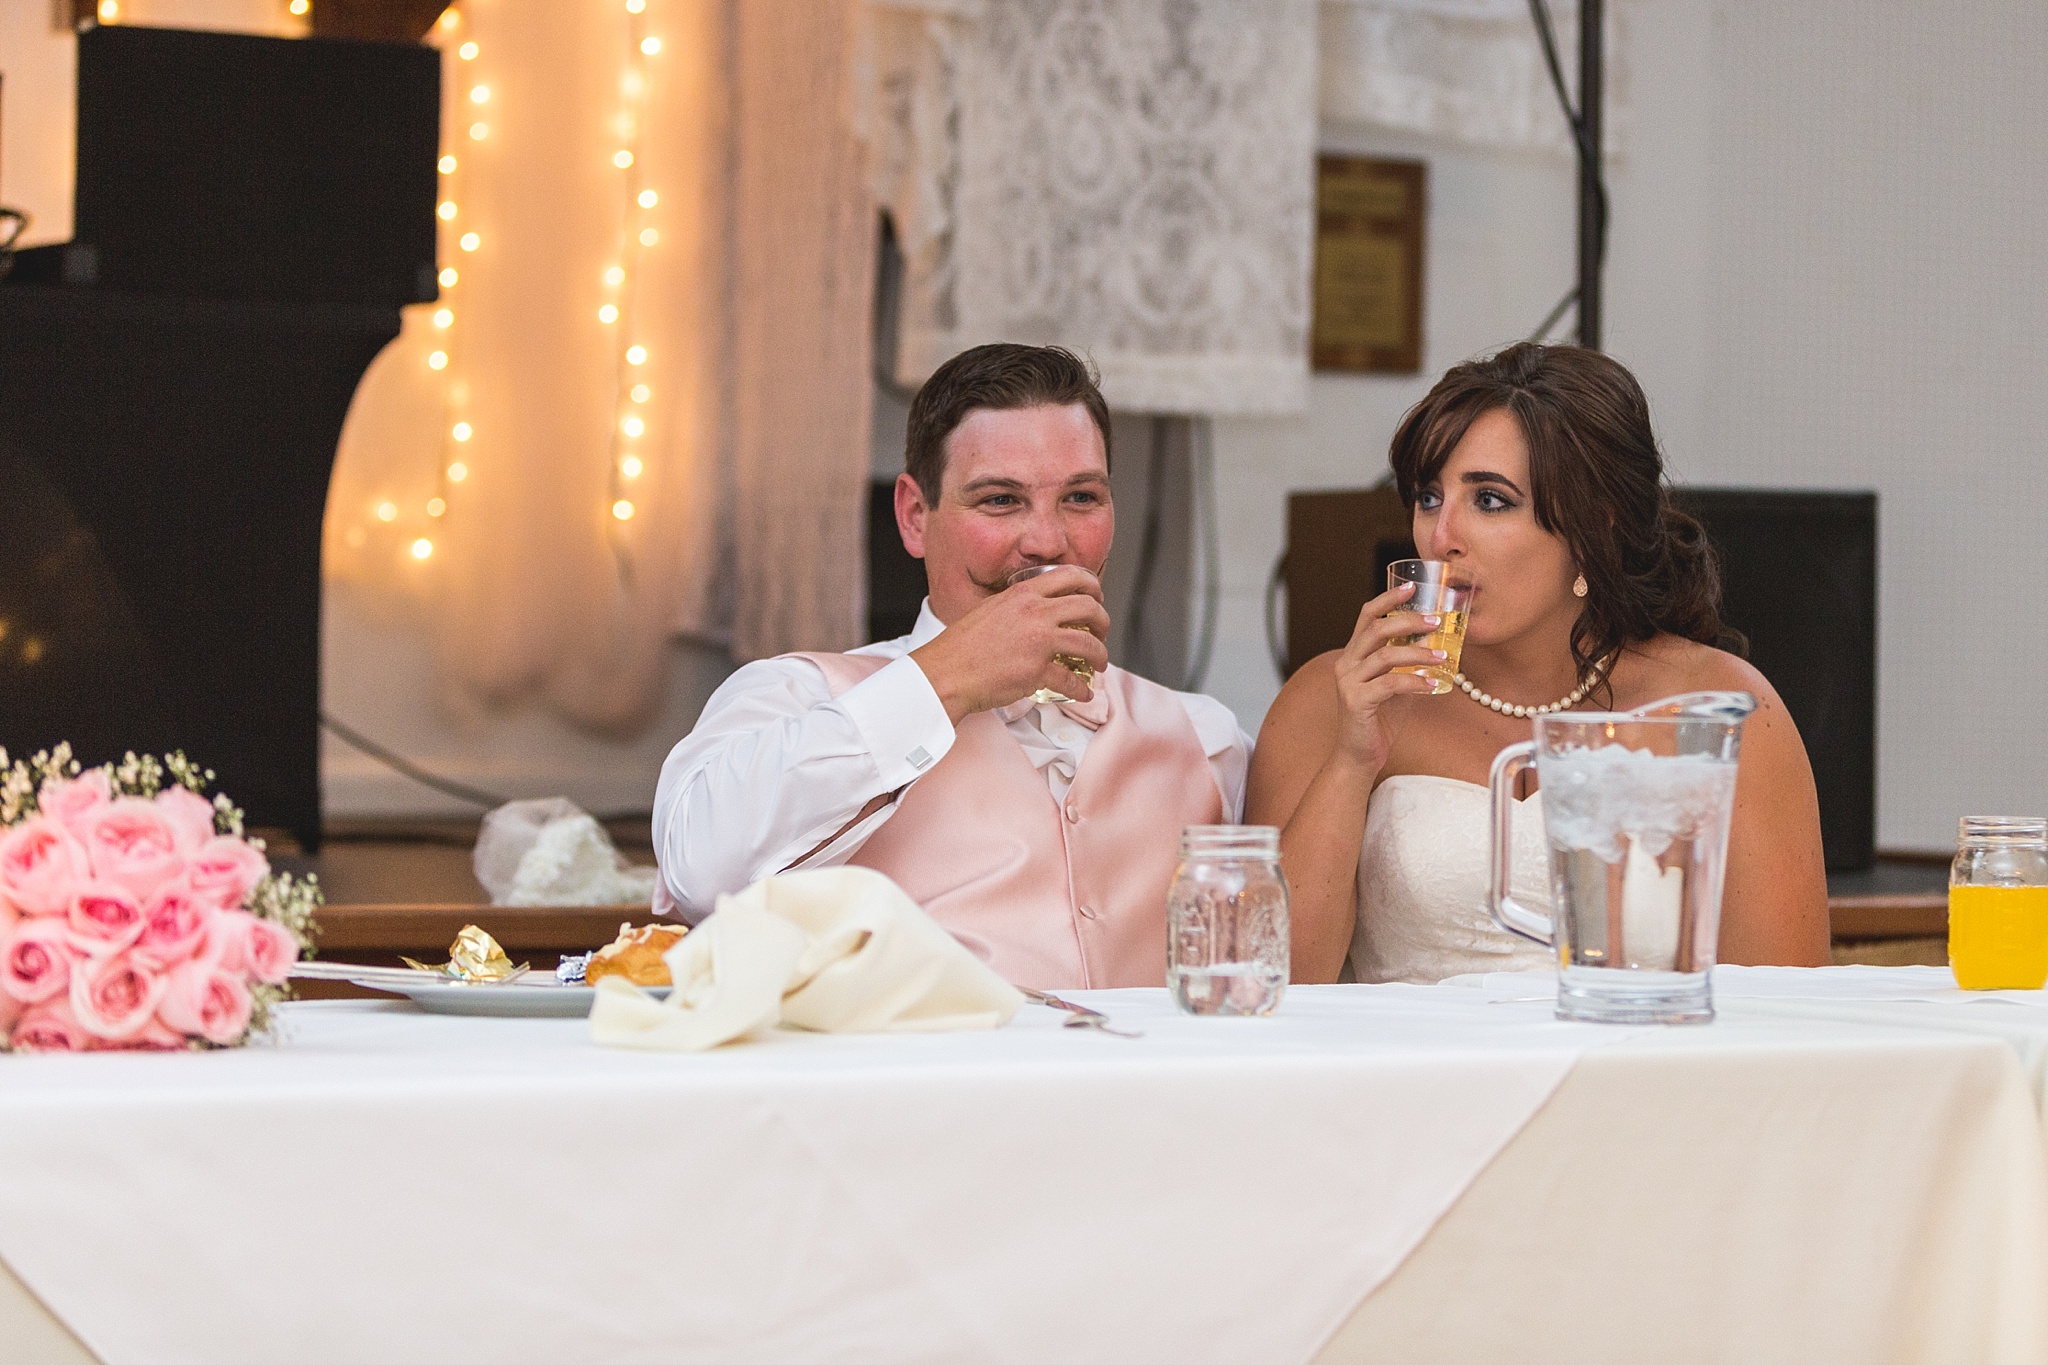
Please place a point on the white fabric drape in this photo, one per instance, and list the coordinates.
(1129, 178)
(803, 271)
(1470, 71)
(747, 478)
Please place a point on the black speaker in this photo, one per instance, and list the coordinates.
(228, 166)
(1799, 579)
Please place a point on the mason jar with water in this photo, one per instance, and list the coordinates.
(1636, 809)
(1226, 921)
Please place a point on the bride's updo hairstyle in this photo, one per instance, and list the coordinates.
(1598, 486)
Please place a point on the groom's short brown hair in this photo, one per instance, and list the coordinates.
(1002, 375)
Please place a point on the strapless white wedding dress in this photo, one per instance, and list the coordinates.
(1422, 874)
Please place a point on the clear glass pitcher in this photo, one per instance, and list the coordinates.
(1636, 807)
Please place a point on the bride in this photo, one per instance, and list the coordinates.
(1535, 470)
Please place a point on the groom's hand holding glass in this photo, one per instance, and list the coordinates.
(1004, 648)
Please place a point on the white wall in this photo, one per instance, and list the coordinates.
(1829, 233)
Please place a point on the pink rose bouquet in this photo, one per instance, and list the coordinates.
(135, 913)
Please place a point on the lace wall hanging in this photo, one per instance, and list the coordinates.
(1131, 178)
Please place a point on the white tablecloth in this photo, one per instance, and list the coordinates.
(1220, 1190)
(1026, 1194)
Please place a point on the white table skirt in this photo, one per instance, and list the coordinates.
(1764, 1189)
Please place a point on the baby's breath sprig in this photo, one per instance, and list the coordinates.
(292, 902)
(188, 774)
(17, 791)
(138, 775)
(21, 779)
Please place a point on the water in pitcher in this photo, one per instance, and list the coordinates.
(1638, 848)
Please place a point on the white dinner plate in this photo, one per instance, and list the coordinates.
(531, 997)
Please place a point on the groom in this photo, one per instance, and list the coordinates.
(1042, 835)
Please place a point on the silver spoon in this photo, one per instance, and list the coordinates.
(1078, 1016)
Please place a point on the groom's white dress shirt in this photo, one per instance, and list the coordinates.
(777, 764)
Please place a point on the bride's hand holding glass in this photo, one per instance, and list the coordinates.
(1366, 674)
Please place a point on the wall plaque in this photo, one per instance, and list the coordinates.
(1368, 272)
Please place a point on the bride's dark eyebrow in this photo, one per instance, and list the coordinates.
(1488, 476)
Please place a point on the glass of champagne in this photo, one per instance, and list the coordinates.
(1073, 663)
(1441, 590)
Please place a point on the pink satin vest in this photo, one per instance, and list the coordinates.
(1057, 896)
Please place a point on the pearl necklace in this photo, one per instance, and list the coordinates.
(1508, 708)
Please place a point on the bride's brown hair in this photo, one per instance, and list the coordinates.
(1598, 485)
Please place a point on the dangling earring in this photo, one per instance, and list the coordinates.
(1579, 586)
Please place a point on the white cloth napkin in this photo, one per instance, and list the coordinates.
(836, 950)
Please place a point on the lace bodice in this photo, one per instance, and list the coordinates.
(1422, 875)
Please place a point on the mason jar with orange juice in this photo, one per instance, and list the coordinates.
(1998, 904)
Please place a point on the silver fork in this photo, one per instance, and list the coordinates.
(1079, 1016)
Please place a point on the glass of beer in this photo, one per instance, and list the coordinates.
(1073, 663)
(1443, 591)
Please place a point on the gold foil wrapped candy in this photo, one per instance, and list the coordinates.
(474, 956)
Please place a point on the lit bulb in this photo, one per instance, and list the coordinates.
(444, 317)
(457, 472)
(110, 10)
(633, 426)
(615, 276)
(648, 199)
(623, 510)
(467, 52)
(447, 209)
(648, 236)
(448, 277)
(422, 547)
(387, 511)
(635, 6)
(650, 46)
(480, 94)
(479, 131)
(622, 158)
(463, 431)
(447, 165)
(470, 241)
(640, 393)
(300, 6)
(631, 466)
(438, 361)
(436, 506)
(608, 313)
(450, 18)
(636, 355)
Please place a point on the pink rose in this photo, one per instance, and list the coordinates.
(155, 1036)
(41, 866)
(200, 1000)
(224, 870)
(36, 960)
(190, 816)
(174, 926)
(10, 1010)
(252, 946)
(113, 997)
(104, 919)
(49, 1027)
(69, 800)
(133, 842)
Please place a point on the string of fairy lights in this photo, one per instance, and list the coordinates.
(617, 286)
